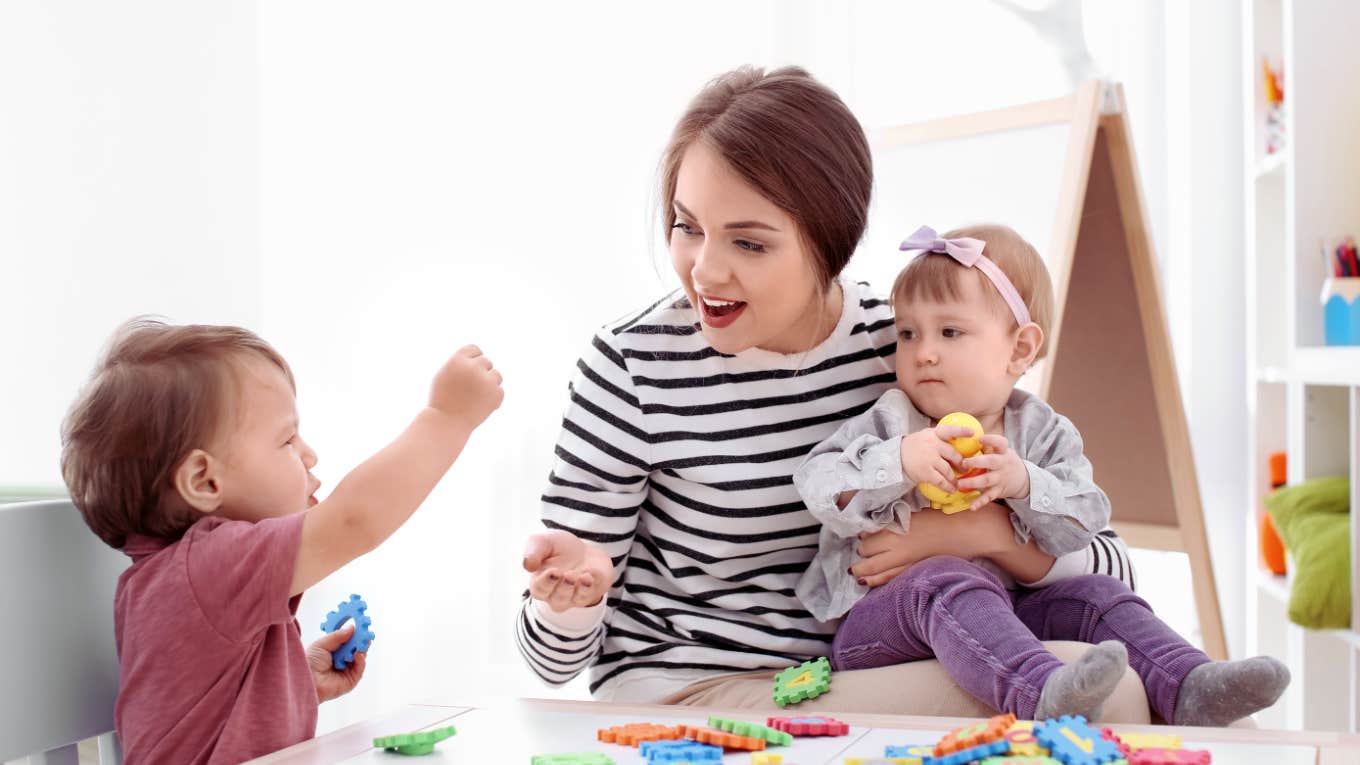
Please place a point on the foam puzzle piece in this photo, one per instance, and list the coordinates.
(354, 608)
(969, 736)
(633, 734)
(1022, 740)
(971, 754)
(1013, 759)
(572, 758)
(721, 738)
(1136, 741)
(658, 752)
(813, 725)
(1071, 741)
(805, 681)
(1113, 738)
(883, 761)
(751, 730)
(767, 758)
(1159, 756)
(418, 743)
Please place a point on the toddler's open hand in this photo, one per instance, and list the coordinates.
(1006, 476)
(928, 457)
(566, 572)
(467, 387)
(331, 682)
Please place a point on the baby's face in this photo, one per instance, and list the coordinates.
(266, 464)
(953, 356)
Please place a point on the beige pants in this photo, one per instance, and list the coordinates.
(915, 688)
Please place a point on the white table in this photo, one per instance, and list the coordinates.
(511, 731)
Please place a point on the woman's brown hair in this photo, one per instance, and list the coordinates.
(796, 143)
(157, 393)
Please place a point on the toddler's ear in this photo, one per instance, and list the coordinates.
(1028, 340)
(197, 482)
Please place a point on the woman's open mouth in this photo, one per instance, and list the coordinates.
(719, 313)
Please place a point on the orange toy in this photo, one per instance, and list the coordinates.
(721, 738)
(1272, 548)
(634, 734)
(978, 734)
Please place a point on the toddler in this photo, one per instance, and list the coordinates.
(972, 312)
(183, 451)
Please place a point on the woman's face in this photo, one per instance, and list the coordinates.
(742, 262)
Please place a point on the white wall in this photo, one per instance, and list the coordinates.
(129, 183)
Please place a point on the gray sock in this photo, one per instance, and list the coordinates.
(1081, 688)
(1220, 692)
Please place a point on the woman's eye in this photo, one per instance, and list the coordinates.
(750, 246)
(684, 227)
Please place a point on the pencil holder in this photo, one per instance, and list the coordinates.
(1341, 310)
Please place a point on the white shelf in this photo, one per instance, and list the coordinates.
(1318, 365)
(1274, 586)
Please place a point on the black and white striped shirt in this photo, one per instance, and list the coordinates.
(678, 461)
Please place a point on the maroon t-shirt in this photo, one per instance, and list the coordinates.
(212, 666)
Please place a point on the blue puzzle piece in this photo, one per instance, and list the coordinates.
(351, 609)
(964, 756)
(1071, 741)
(658, 752)
(910, 750)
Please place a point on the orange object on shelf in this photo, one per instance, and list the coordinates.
(1278, 471)
(1272, 548)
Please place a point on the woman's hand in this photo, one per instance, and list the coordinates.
(1006, 476)
(928, 457)
(331, 682)
(885, 554)
(566, 572)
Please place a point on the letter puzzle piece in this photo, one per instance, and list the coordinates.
(907, 754)
(1072, 742)
(1022, 740)
(751, 730)
(816, 725)
(571, 758)
(414, 743)
(965, 756)
(805, 681)
(721, 738)
(766, 758)
(970, 736)
(1113, 738)
(658, 752)
(1159, 756)
(633, 734)
(351, 609)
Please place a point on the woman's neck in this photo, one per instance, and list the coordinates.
(819, 322)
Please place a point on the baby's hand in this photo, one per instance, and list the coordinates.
(467, 387)
(566, 572)
(331, 682)
(1006, 476)
(928, 457)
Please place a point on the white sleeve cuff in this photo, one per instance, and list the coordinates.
(1065, 567)
(575, 620)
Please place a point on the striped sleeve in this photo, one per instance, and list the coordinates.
(1106, 554)
(598, 482)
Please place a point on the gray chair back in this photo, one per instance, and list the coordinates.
(56, 603)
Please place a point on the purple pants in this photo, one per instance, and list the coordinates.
(988, 638)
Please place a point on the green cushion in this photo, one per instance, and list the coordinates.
(1314, 521)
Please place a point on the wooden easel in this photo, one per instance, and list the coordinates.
(1110, 368)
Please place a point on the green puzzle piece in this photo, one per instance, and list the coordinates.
(414, 743)
(805, 681)
(753, 730)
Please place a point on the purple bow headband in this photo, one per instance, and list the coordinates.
(968, 253)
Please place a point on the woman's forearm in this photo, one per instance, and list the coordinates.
(1026, 563)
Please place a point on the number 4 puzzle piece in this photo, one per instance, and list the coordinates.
(805, 681)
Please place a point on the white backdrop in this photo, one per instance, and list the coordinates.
(370, 186)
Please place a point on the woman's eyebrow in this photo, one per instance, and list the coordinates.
(740, 224)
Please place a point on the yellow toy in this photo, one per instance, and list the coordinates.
(967, 446)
